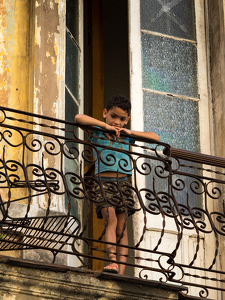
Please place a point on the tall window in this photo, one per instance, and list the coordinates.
(169, 71)
(73, 59)
(73, 101)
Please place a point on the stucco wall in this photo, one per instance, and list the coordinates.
(217, 67)
(15, 41)
(216, 9)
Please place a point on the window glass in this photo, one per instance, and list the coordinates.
(72, 101)
(170, 17)
(71, 107)
(72, 17)
(169, 65)
(72, 66)
(175, 120)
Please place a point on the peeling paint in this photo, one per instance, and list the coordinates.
(51, 4)
(37, 33)
(56, 48)
(6, 44)
(46, 51)
(53, 60)
(55, 107)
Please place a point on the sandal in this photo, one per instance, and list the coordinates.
(111, 268)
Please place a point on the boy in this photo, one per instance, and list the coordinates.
(115, 170)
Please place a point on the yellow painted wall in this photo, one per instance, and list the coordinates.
(15, 68)
(15, 53)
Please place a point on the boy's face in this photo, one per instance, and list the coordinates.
(116, 116)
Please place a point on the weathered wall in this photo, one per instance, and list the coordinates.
(32, 72)
(32, 61)
(216, 10)
(49, 58)
(217, 66)
(15, 57)
(55, 282)
(15, 53)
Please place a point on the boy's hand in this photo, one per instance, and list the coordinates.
(112, 128)
(125, 130)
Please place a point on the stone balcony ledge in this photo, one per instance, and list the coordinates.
(23, 279)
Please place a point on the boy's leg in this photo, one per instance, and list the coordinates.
(121, 222)
(110, 221)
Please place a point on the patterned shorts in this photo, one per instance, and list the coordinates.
(118, 195)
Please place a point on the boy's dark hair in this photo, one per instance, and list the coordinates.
(121, 102)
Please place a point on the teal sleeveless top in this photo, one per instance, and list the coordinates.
(111, 160)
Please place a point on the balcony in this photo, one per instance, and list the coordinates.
(47, 203)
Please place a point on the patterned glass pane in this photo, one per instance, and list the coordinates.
(72, 66)
(169, 65)
(72, 17)
(171, 17)
(71, 109)
(175, 120)
(71, 166)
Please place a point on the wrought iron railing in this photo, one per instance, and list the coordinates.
(46, 201)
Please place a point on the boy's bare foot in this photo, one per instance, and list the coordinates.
(111, 268)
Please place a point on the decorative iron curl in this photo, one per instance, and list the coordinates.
(37, 170)
(3, 178)
(85, 241)
(52, 174)
(175, 164)
(188, 223)
(50, 147)
(200, 224)
(195, 186)
(77, 192)
(87, 155)
(151, 207)
(170, 269)
(162, 153)
(34, 145)
(220, 218)
(160, 171)
(169, 208)
(14, 166)
(144, 166)
(2, 116)
(204, 290)
(10, 136)
(70, 152)
(92, 186)
(214, 191)
(145, 276)
(109, 160)
(123, 163)
(179, 185)
(184, 210)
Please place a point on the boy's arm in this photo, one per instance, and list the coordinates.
(86, 120)
(145, 134)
